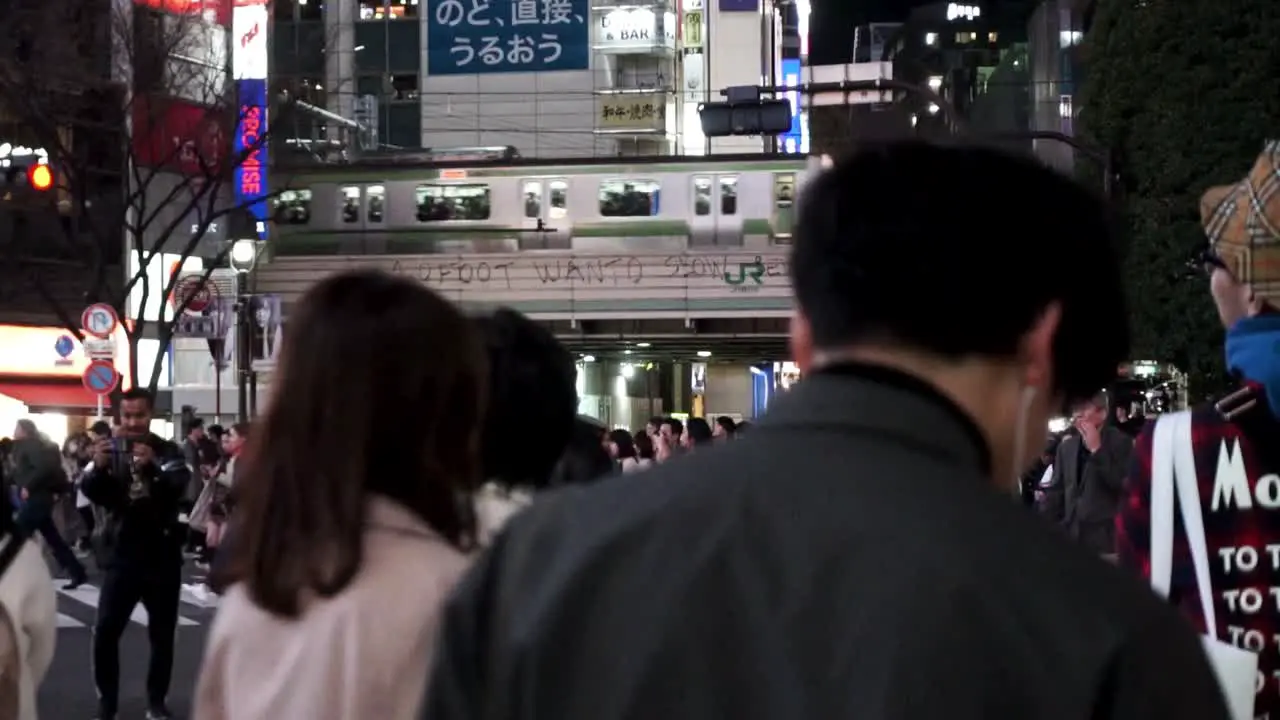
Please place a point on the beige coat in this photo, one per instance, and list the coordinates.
(362, 655)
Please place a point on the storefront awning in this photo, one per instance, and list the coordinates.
(50, 397)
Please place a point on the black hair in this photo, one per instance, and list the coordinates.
(585, 459)
(625, 443)
(699, 430)
(138, 393)
(957, 251)
(644, 445)
(194, 424)
(677, 427)
(101, 427)
(657, 421)
(727, 423)
(533, 400)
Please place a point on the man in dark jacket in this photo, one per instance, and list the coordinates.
(1088, 478)
(138, 478)
(861, 554)
(38, 480)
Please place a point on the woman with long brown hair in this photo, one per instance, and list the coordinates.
(353, 518)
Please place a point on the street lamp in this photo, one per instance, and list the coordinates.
(244, 253)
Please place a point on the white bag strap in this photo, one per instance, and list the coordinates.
(1162, 488)
(1173, 470)
(1188, 486)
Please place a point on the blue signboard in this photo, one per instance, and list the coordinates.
(467, 37)
(249, 179)
(739, 6)
(791, 139)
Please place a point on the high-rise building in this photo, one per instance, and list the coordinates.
(550, 78)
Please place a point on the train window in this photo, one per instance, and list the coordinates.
(784, 197)
(729, 195)
(377, 196)
(629, 198)
(532, 199)
(701, 196)
(559, 199)
(293, 207)
(351, 204)
(440, 203)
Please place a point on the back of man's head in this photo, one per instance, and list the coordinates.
(957, 253)
(533, 400)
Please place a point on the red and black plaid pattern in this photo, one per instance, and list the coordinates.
(1256, 527)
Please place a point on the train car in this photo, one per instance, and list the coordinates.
(467, 202)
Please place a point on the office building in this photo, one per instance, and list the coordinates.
(552, 78)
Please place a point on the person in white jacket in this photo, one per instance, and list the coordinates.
(28, 624)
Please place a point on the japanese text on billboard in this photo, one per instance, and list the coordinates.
(503, 36)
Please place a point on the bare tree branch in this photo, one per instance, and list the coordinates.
(138, 115)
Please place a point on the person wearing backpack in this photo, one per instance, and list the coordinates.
(38, 478)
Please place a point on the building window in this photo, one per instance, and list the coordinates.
(629, 198)
(377, 195)
(293, 207)
(442, 203)
(403, 9)
(285, 10)
(351, 204)
(1066, 111)
(373, 9)
(310, 10)
(404, 87)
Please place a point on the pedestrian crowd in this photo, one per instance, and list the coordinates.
(421, 526)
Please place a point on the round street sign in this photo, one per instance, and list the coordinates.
(196, 292)
(100, 378)
(99, 320)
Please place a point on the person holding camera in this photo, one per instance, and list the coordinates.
(138, 479)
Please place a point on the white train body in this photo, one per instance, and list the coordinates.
(658, 205)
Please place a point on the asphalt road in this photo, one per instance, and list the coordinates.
(67, 692)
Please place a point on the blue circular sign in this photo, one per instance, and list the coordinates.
(64, 346)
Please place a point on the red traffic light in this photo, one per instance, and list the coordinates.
(40, 177)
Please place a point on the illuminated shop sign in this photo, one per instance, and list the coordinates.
(9, 153)
(963, 12)
(793, 140)
(635, 28)
(249, 66)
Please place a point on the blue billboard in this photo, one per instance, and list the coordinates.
(793, 141)
(468, 37)
(249, 179)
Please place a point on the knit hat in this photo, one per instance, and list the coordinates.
(1242, 222)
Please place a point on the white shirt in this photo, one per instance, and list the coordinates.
(27, 593)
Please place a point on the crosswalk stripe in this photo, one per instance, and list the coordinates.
(87, 597)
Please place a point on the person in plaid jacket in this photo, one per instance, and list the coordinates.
(1236, 439)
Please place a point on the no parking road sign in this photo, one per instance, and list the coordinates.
(100, 378)
(99, 320)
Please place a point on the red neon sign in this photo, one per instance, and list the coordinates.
(250, 175)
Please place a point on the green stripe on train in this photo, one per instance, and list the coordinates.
(301, 178)
(419, 240)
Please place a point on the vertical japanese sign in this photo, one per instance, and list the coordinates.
(249, 65)
(466, 37)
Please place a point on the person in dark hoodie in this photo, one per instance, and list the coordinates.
(138, 479)
(38, 478)
(585, 460)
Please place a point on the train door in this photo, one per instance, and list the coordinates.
(545, 210)
(716, 220)
(782, 217)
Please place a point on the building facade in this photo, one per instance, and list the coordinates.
(550, 78)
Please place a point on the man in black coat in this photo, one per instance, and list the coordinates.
(138, 479)
(862, 553)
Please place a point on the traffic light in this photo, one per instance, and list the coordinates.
(40, 177)
(758, 117)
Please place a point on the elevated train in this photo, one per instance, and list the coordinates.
(490, 200)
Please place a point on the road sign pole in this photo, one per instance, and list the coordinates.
(99, 417)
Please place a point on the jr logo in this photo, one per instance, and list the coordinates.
(249, 36)
(753, 270)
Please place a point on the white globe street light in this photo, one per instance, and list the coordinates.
(243, 255)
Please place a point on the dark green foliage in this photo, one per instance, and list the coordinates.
(1185, 92)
